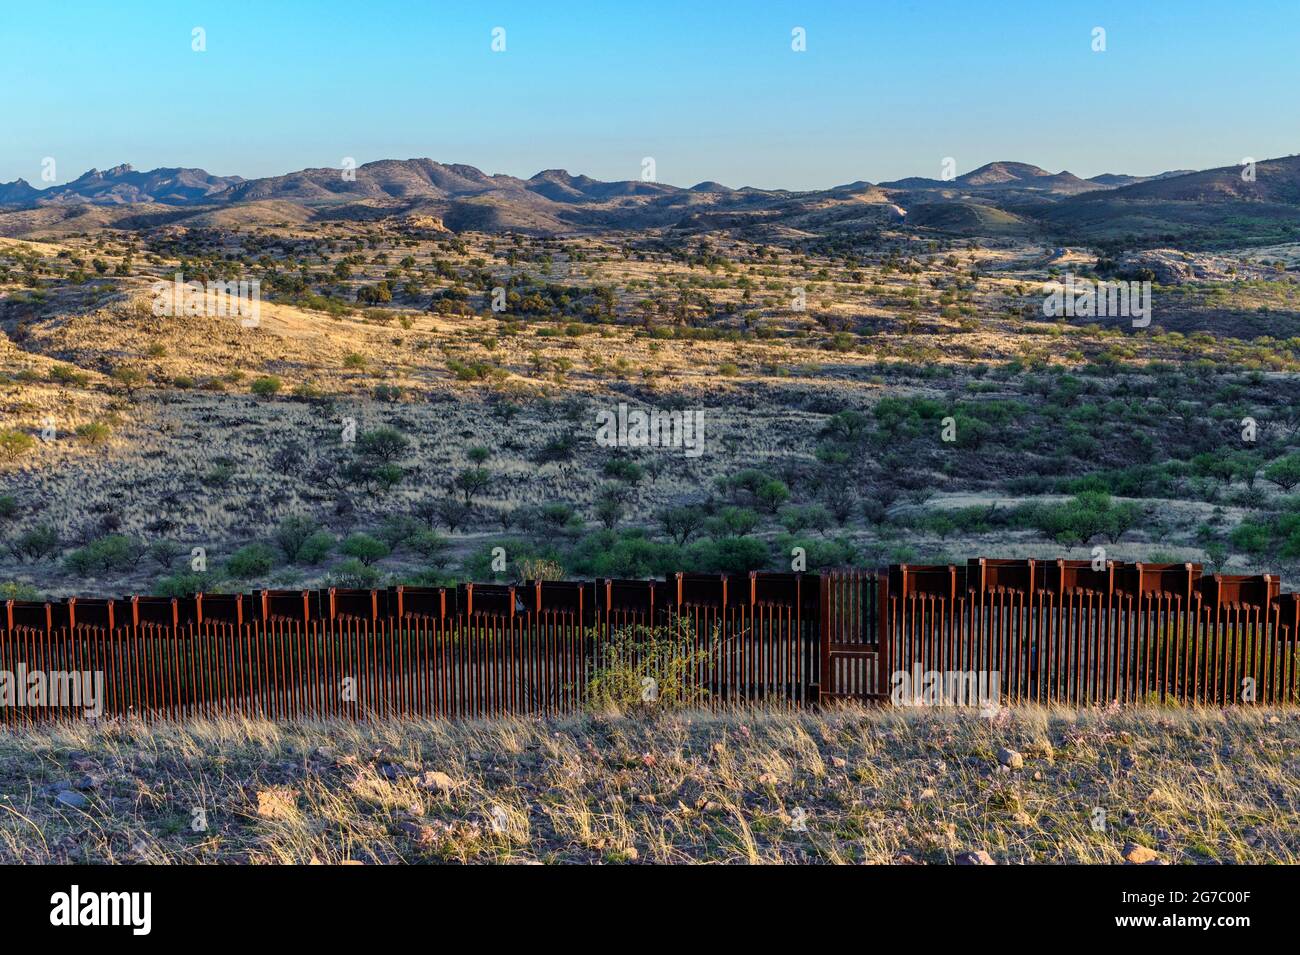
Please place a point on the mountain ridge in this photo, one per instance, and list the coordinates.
(1001, 194)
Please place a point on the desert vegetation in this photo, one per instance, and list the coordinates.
(845, 786)
(892, 395)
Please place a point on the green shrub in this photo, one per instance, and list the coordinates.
(185, 584)
(819, 553)
(364, 548)
(646, 668)
(294, 531)
(1250, 537)
(14, 444)
(382, 444)
(266, 386)
(1284, 472)
(93, 433)
(1088, 515)
(771, 495)
(39, 542)
(798, 518)
(116, 552)
(428, 544)
(13, 590)
(354, 574)
(728, 555)
(732, 522)
(398, 530)
(316, 548)
(629, 554)
(253, 560)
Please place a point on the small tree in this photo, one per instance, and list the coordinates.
(452, 514)
(383, 444)
(164, 553)
(94, 433)
(473, 481)
(365, 548)
(1284, 472)
(681, 523)
(609, 511)
(14, 444)
(771, 494)
(293, 533)
(131, 379)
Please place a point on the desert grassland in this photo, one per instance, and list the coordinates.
(845, 785)
(187, 452)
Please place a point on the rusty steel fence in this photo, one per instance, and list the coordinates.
(477, 650)
(1066, 631)
(1036, 631)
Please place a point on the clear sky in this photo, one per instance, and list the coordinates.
(710, 88)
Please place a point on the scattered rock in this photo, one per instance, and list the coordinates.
(434, 779)
(978, 857)
(1135, 854)
(278, 802)
(1010, 758)
(419, 832)
(72, 799)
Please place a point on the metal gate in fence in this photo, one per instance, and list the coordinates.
(853, 659)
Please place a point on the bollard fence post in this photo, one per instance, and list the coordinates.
(884, 633)
(825, 680)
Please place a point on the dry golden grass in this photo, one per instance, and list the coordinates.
(843, 786)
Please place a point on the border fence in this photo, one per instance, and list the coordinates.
(1044, 631)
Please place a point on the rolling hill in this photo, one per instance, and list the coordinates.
(998, 197)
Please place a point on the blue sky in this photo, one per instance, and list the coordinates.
(711, 90)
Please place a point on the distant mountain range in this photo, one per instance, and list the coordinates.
(999, 197)
(404, 180)
(1020, 176)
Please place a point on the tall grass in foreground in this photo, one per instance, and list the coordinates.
(844, 785)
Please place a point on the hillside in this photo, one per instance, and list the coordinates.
(1003, 196)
